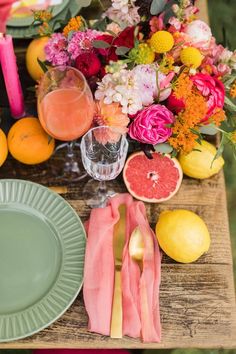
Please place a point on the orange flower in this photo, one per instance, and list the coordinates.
(232, 91)
(183, 86)
(218, 116)
(74, 24)
(187, 122)
(111, 115)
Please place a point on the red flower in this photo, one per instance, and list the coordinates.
(125, 38)
(88, 63)
(108, 53)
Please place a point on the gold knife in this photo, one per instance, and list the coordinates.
(118, 245)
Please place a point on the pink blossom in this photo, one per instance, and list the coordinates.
(82, 42)
(156, 23)
(151, 125)
(199, 33)
(56, 50)
(175, 22)
(223, 69)
(211, 88)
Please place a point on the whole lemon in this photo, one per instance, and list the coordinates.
(36, 50)
(182, 235)
(199, 163)
(162, 42)
(3, 147)
(191, 57)
(29, 143)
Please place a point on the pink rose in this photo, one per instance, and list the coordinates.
(151, 125)
(211, 88)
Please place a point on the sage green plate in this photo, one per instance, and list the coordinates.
(21, 27)
(42, 246)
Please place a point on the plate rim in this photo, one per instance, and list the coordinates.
(49, 323)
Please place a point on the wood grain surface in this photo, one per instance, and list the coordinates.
(197, 301)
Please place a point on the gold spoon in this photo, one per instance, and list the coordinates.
(136, 247)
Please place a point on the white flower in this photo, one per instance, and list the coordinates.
(225, 56)
(199, 33)
(124, 13)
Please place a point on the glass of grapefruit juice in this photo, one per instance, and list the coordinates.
(65, 109)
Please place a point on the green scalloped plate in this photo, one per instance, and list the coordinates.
(21, 27)
(42, 247)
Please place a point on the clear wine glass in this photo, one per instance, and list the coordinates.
(103, 152)
(66, 109)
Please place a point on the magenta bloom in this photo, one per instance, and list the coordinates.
(82, 41)
(151, 125)
(211, 88)
(56, 50)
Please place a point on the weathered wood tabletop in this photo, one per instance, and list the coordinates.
(197, 300)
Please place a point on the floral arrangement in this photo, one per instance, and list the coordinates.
(156, 72)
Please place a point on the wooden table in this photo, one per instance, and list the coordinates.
(197, 300)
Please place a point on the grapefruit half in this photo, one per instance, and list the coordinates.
(152, 180)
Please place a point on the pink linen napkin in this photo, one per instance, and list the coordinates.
(140, 291)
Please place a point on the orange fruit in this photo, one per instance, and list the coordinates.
(36, 50)
(3, 147)
(29, 143)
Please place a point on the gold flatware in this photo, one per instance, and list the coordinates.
(118, 245)
(59, 189)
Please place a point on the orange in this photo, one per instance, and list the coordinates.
(36, 50)
(28, 142)
(3, 147)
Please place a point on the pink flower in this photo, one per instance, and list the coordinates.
(56, 50)
(82, 42)
(156, 23)
(199, 33)
(151, 125)
(211, 88)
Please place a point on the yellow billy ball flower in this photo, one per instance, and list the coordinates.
(191, 57)
(162, 42)
(143, 54)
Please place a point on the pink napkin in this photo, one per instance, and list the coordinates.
(137, 288)
(5, 8)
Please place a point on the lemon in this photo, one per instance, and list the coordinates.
(199, 163)
(182, 235)
(36, 50)
(191, 57)
(3, 147)
(162, 42)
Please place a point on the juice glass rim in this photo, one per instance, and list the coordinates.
(64, 67)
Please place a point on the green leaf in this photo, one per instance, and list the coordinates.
(122, 50)
(42, 65)
(208, 129)
(100, 44)
(157, 6)
(229, 103)
(163, 148)
(100, 25)
(196, 132)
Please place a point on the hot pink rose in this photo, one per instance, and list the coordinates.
(151, 125)
(211, 88)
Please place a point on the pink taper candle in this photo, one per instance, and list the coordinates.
(11, 77)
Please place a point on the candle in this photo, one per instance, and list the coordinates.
(11, 77)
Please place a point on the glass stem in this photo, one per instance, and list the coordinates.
(102, 187)
(70, 150)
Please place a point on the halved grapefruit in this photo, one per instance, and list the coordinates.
(152, 180)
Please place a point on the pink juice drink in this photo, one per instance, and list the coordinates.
(66, 114)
